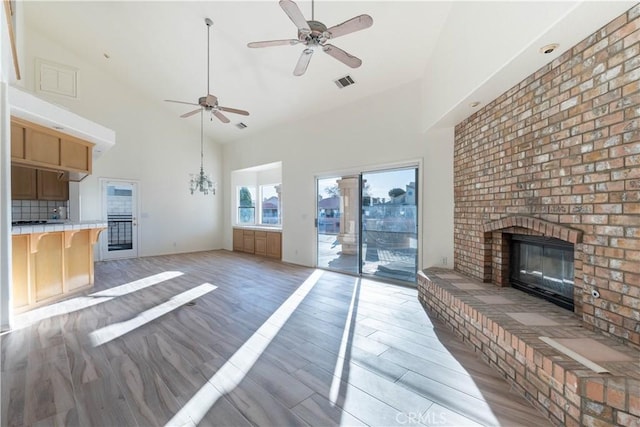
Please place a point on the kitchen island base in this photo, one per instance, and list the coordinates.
(50, 265)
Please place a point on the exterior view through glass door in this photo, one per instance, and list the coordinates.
(367, 224)
(120, 201)
(390, 224)
(338, 224)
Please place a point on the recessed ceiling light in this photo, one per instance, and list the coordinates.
(474, 104)
(549, 48)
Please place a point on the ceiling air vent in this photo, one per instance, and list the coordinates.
(241, 125)
(344, 82)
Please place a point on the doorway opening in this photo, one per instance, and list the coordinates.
(367, 223)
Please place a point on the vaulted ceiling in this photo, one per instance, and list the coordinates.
(460, 51)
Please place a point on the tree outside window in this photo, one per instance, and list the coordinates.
(246, 206)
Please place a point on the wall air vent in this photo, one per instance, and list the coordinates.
(344, 81)
(241, 125)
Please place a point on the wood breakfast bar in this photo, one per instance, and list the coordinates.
(51, 261)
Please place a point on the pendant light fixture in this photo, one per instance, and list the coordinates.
(201, 181)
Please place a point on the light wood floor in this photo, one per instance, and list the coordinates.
(265, 344)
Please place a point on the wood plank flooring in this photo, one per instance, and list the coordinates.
(271, 345)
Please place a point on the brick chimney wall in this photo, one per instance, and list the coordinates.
(563, 146)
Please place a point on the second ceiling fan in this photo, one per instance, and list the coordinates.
(210, 102)
(314, 34)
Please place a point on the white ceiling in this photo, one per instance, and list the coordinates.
(159, 50)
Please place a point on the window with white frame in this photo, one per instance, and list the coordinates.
(270, 204)
(246, 205)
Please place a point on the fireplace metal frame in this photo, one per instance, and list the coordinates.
(546, 294)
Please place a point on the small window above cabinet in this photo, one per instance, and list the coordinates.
(33, 184)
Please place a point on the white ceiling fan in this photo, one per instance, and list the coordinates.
(210, 102)
(314, 34)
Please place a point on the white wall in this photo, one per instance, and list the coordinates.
(6, 67)
(380, 130)
(152, 147)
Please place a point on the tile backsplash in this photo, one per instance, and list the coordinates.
(28, 210)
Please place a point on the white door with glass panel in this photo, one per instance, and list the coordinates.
(120, 203)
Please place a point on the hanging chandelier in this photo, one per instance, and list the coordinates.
(201, 181)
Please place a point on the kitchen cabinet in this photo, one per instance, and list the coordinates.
(23, 183)
(32, 184)
(258, 242)
(50, 187)
(48, 266)
(43, 148)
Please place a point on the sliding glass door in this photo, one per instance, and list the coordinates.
(390, 224)
(367, 224)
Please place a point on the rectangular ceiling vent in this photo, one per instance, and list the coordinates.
(241, 125)
(344, 82)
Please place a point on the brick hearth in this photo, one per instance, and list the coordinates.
(504, 326)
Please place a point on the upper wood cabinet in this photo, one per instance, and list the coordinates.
(17, 141)
(43, 148)
(50, 187)
(32, 184)
(23, 183)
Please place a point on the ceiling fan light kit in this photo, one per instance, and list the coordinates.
(210, 102)
(314, 34)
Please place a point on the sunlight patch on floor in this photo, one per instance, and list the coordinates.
(234, 370)
(78, 303)
(115, 330)
(344, 343)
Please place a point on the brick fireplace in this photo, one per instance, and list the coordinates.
(558, 155)
(555, 157)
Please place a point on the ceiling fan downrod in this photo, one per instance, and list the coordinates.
(209, 23)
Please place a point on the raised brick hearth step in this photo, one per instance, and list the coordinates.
(504, 325)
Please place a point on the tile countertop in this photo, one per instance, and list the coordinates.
(57, 226)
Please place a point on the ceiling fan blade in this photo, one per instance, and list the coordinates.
(293, 12)
(180, 102)
(270, 43)
(342, 56)
(220, 116)
(303, 62)
(354, 24)
(233, 110)
(211, 100)
(190, 113)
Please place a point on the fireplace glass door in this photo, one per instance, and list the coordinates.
(543, 267)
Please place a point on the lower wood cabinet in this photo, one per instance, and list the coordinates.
(274, 245)
(51, 265)
(258, 242)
